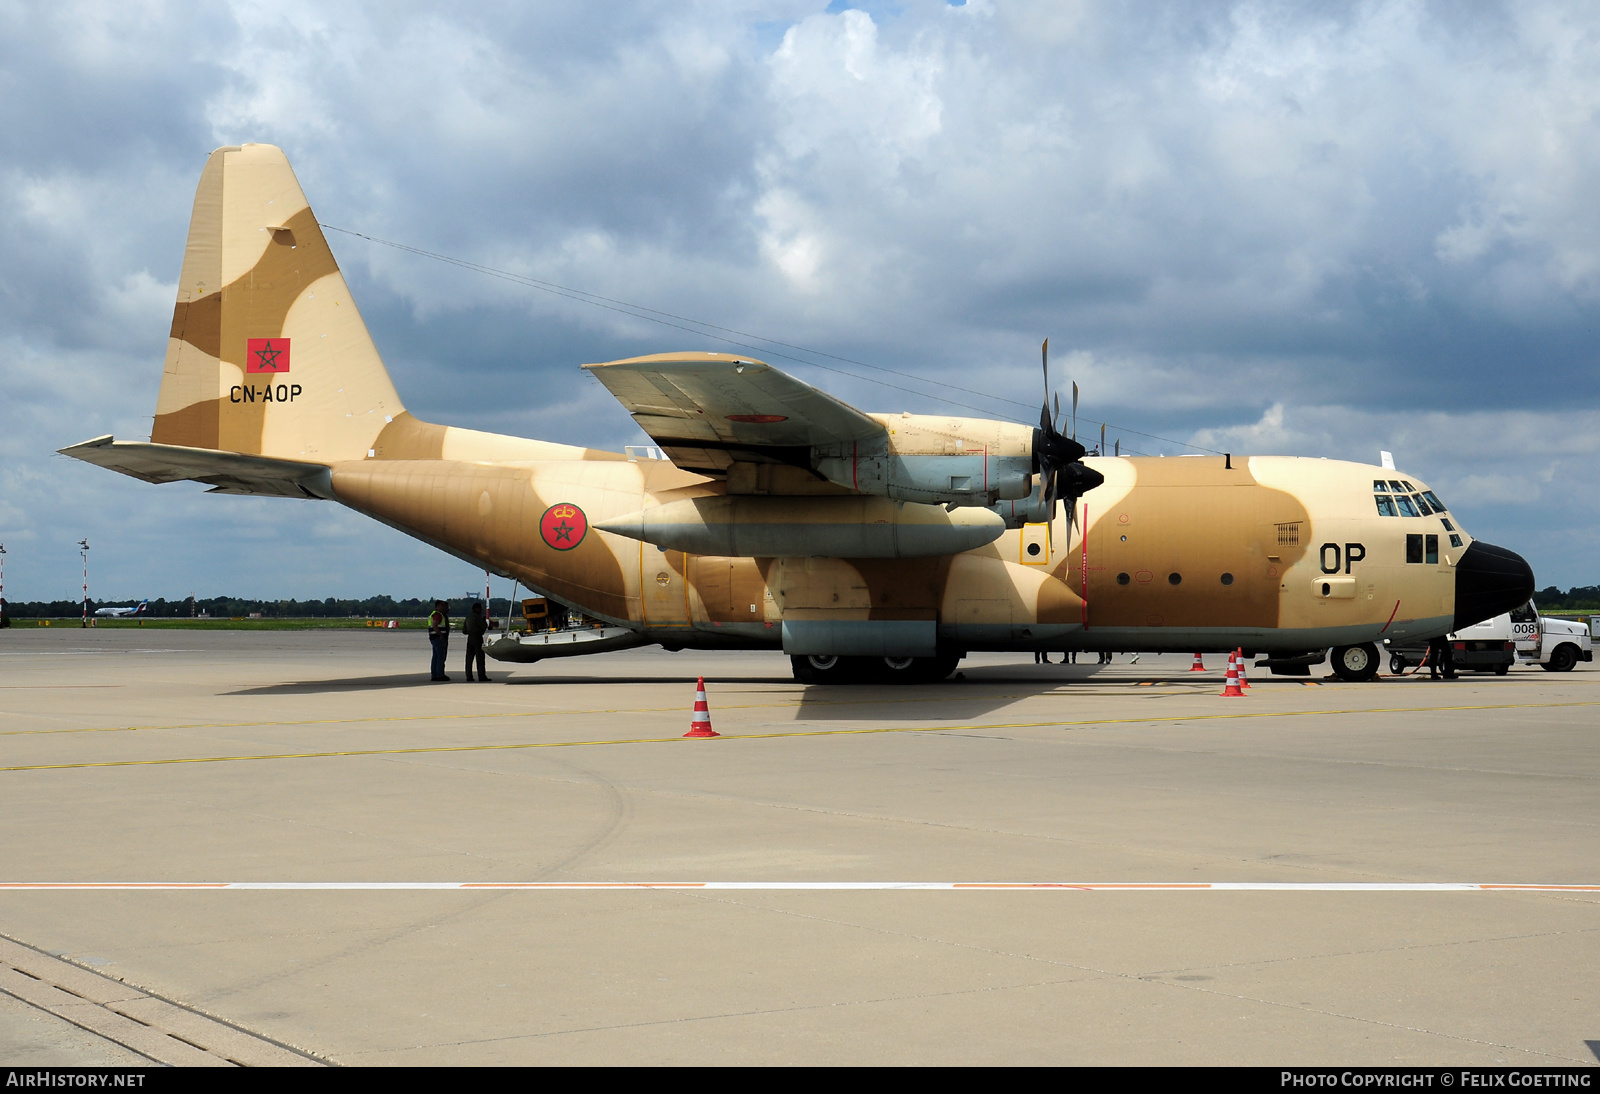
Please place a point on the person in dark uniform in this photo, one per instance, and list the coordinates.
(474, 627)
(439, 636)
(1431, 661)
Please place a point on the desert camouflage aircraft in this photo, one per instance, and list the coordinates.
(886, 545)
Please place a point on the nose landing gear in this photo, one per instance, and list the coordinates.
(1356, 663)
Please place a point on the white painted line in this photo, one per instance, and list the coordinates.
(1011, 886)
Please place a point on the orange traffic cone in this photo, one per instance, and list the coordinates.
(1244, 681)
(1231, 691)
(1198, 666)
(700, 724)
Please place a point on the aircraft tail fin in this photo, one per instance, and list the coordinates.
(268, 355)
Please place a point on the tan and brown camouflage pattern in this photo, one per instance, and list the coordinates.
(257, 266)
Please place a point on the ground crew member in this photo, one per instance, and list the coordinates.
(474, 627)
(439, 636)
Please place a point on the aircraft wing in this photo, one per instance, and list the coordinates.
(224, 472)
(709, 410)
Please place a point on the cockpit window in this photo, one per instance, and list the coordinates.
(1408, 508)
(1379, 486)
(1397, 488)
(1386, 506)
(1433, 500)
(1448, 527)
(1422, 506)
(1409, 488)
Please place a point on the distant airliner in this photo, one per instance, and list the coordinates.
(123, 613)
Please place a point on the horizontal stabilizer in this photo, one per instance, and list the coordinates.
(224, 472)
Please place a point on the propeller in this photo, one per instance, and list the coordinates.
(1059, 458)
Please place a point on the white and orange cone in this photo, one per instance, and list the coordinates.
(700, 723)
(1244, 681)
(1231, 691)
(1198, 666)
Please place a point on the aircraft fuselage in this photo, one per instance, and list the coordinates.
(1269, 553)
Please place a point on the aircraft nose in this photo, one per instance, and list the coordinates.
(1490, 581)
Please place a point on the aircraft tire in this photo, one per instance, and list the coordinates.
(1397, 664)
(915, 670)
(1562, 659)
(832, 670)
(1356, 663)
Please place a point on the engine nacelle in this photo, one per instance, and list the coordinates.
(936, 461)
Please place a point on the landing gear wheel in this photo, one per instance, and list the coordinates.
(1397, 664)
(821, 670)
(1356, 663)
(1562, 658)
(915, 670)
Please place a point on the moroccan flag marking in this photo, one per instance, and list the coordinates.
(266, 355)
(563, 526)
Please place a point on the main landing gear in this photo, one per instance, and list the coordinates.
(873, 670)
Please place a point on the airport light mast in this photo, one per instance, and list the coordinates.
(83, 549)
(2, 579)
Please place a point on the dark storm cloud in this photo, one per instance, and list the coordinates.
(1318, 228)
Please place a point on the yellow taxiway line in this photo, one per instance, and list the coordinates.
(423, 750)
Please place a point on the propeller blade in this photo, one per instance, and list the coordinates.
(1056, 422)
(1074, 410)
(1119, 446)
(1101, 451)
(1044, 354)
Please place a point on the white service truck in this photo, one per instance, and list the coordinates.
(1555, 645)
(1522, 636)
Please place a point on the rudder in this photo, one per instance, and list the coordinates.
(268, 354)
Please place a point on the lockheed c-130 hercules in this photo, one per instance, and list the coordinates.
(862, 545)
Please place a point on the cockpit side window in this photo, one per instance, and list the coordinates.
(1422, 506)
(1407, 507)
(1433, 500)
(1386, 506)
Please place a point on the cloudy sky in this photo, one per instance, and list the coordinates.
(1316, 229)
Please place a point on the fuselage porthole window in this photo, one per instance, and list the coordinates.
(1227, 579)
(1122, 579)
(1175, 579)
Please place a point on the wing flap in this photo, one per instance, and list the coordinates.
(709, 410)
